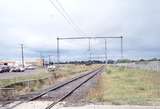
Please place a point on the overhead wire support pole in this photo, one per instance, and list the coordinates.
(49, 59)
(76, 38)
(42, 58)
(58, 56)
(106, 52)
(89, 49)
(121, 47)
(22, 55)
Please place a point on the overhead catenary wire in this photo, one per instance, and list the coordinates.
(63, 12)
(66, 16)
(61, 6)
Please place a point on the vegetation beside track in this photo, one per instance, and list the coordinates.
(120, 85)
(38, 74)
(42, 78)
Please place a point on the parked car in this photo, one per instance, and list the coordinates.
(30, 67)
(4, 68)
(51, 67)
(1, 69)
(17, 69)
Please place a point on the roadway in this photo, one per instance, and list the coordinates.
(10, 75)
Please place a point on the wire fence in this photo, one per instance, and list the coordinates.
(146, 65)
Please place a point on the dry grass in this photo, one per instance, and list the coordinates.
(72, 69)
(120, 85)
(42, 79)
(96, 93)
(64, 71)
(39, 74)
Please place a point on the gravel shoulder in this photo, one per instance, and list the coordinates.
(43, 104)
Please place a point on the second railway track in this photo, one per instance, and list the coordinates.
(61, 91)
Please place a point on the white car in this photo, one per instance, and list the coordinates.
(51, 67)
(17, 69)
(30, 67)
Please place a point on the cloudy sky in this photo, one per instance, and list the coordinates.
(37, 23)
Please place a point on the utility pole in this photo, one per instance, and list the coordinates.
(49, 59)
(121, 47)
(89, 48)
(57, 50)
(22, 55)
(106, 52)
(42, 59)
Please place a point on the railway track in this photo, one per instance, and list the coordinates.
(61, 91)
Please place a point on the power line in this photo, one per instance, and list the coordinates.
(66, 16)
(60, 5)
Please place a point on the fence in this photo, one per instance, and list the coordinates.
(146, 65)
(7, 93)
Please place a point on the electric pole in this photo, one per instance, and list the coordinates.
(121, 47)
(106, 52)
(49, 59)
(42, 59)
(58, 50)
(89, 49)
(22, 55)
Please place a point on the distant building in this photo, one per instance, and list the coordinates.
(9, 62)
(34, 61)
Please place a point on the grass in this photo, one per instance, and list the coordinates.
(64, 71)
(42, 79)
(39, 73)
(71, 69)
(121, 85)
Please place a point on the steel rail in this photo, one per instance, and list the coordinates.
(78, 86)
(55, 88)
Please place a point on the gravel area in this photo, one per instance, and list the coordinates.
(43, 104)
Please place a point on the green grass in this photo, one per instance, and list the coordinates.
(39, 74)
(120, 85)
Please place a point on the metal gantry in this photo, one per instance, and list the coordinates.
(88, 38)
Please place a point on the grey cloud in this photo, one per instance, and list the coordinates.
(37, 24)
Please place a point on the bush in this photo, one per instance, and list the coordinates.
(109, 71)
